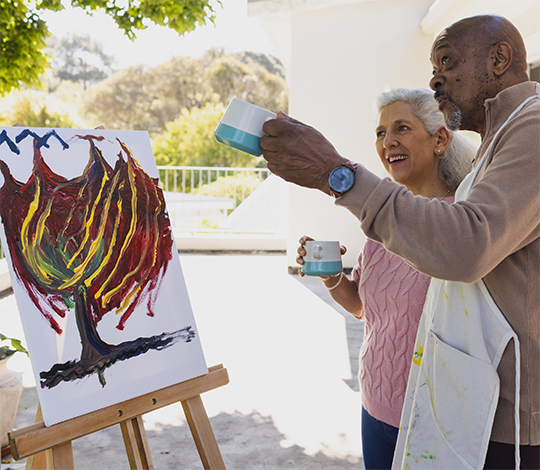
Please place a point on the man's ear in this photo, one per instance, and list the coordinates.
(501, 58)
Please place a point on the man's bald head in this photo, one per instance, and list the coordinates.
(484, 31)
(474, 60)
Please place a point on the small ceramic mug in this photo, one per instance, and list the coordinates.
(322, 258)
(241, 126)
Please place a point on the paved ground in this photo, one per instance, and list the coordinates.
(292, 401)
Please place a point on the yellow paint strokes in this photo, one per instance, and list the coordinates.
(156, 226)
(448, 299)
(154, 223)
(127, 299)
(463, 301)
(72, 211)
(41, 228)
(31, 211)
(137, 269)
(110, 250)
(431, 394)
(28, 242)
(445, 433)
(418, 353)
(89, 222)
(127, 240)
(79, 271)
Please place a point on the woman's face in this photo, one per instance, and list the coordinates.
(405, 148)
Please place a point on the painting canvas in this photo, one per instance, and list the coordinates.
(94, 266)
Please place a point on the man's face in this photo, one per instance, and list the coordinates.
(461, 80)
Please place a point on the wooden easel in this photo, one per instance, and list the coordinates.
(50, 447)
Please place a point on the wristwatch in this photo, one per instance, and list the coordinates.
(342, 178)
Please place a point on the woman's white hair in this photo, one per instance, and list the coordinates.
(457, 159)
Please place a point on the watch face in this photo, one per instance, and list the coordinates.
(341, 179)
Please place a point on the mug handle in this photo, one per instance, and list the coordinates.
(317, 252)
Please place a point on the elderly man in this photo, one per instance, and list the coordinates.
(483, 252)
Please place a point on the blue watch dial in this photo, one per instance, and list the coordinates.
(341, 179)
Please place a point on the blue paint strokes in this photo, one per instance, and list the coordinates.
(4, 138)
(25, 134)
(52, 134)
(41, 141)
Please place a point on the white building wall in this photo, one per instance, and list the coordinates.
(341, 58)
(339, 55)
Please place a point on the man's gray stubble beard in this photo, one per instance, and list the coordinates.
(455, 120)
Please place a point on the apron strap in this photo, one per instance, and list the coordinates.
(516, 400)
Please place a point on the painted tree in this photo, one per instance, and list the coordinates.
(93, 244)
(23, 32)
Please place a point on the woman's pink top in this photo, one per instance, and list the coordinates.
(393, 294)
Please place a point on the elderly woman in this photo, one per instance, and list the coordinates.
(419, 152)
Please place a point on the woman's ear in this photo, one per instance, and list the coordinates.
(442, 138)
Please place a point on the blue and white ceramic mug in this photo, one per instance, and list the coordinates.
(241, 126)
(322, 258)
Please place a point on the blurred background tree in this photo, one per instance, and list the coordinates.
(178, 102)
(79, 59)
(140, 98)
(189, 141)
(23, 33)
(35, 108)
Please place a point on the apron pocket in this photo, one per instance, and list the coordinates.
(464, 392)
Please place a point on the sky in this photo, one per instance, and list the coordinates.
(233, 31)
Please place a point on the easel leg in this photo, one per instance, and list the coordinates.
(61, 457)
(38, 461)
(203, 435)
(29, 442)
(136, 443)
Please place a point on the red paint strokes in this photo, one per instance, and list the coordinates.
(96, 243)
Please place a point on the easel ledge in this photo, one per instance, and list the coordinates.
(37, 438)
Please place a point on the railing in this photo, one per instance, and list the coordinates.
(199, 199)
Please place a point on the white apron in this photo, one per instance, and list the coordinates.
(453, 387)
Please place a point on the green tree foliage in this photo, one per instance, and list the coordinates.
(22, 40)
(139, 98)
(249, 81)
(80, 59)
(35, 109)
(23, 33)
(189, 141)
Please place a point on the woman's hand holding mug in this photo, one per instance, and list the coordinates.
(319, 258)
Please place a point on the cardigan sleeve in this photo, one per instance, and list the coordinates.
(462, 241)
